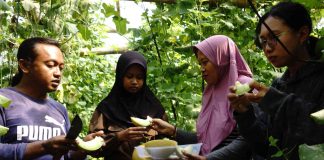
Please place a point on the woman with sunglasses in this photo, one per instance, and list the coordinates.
(283, 110)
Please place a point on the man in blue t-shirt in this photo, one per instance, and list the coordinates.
(37, 123)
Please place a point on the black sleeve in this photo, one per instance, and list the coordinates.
(253, 126)
(292, 111)
(238, 149)
(185, 137)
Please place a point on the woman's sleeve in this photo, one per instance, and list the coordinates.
(253, 126)
(182, 136)
(288, 103)
(97, 123)
(292, 111)
(238, 149)
(185, 137)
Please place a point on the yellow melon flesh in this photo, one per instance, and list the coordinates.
(91, 145)
(141, 122)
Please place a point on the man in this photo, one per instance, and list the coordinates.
(37, 123)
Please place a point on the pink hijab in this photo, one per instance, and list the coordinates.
(215, 121)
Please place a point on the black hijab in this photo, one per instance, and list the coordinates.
(120, 105)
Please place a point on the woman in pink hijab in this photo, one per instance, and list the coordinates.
(221, 66)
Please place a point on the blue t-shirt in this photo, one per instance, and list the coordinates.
(29, 120)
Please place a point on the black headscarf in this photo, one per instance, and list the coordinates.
(120, 105)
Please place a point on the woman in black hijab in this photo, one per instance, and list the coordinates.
(129, 97)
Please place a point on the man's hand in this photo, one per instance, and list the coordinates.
(58, 144)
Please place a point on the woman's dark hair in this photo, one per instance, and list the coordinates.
(294, 15)
(27, 51)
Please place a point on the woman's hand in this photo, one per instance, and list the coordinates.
(81, 154)
(240, 103)
(262, 90)
(163, 127)
(189, 156)
(91, 136)
(132, 133)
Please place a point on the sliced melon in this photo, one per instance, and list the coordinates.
(318, 116)
(187, 149)
(3, 130)
(4, 101)
(141, 122)
(153, 143)
(160, 143)
(136, 156)
(91, 145)
(241, 89)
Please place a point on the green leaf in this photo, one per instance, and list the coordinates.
(184, 5)
(120, 24)
(228, 24)
(4, 6)
(273, 141)
(82, 103)
(85, 32)
(108, 10)
(71, 27)
(28, 5)
(4, 101)
(278, 154)
(311, 3)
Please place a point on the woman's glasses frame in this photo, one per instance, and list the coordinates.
(271, 41)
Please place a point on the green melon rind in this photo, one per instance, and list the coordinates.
(318, 116)
(4, 101)
(3, 130)
(313, 152)
(91, 145)
(141, 122)
(241, 89)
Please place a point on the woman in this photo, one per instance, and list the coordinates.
(287, 104)
(129, 97)
(221, 66)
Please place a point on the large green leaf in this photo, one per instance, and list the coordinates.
(120, 24)
(84, 30)
(108, 10)
(313, 152)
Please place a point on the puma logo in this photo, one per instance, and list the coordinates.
(54, 121)
(39, 132)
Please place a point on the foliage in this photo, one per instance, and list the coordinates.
(279, 153)
(86, 81)
(76, 25)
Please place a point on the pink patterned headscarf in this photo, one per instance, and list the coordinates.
(215, 121)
